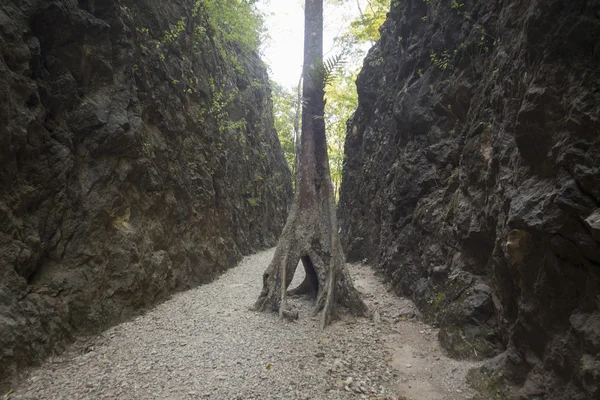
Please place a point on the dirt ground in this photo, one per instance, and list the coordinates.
(206, 344)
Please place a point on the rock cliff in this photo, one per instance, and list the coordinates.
(138, 157)
(473, 180)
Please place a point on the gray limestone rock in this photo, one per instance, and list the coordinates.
(117, 184)
(473, 161)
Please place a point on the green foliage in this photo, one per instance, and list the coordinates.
(449, 109)
(338, 76)
(477, 42)
(233, 27)
(376, 62)
(230, 29)
(284, 113)
(457, 6)
(342, 100)
(365, 28)
(324, 73)
(218, 110)
(232, 23)
(328, 68)
(490, 385)
(442, 61)
(439, 299)
(172, 35)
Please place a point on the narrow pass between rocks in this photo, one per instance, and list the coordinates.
(206, 344)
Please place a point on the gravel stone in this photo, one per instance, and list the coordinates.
(206, 344)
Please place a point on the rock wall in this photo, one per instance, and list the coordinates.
(473, 180)
(137, 157)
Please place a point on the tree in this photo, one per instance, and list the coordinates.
(341, 95)
(342, 100)
(365, 28)
(284, 113)
(310, 234)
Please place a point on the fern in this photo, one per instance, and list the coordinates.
(325, 71)
(332, 65)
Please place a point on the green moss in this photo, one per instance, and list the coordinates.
(435, 307)
(461, 347)
(439, 299)
(454, 341)
(589, 367)
(489, 386)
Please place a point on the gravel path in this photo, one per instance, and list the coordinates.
(206, 344)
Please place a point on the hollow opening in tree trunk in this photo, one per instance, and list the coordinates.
(310, 283)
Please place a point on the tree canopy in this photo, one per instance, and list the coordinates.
(234, 21)
(284, 113)
(340, 93)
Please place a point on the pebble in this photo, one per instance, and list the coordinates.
(205, 343)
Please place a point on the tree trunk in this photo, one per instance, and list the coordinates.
(297, 129)
(311, 233)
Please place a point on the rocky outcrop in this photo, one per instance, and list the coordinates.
(473, 180)
(138, 157)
